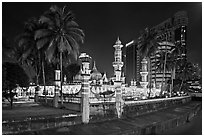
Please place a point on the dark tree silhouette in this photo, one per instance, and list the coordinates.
(71, 70)
(13, 75)
(61, 38)
(147, 46)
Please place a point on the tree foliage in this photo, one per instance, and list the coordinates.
(26, 51)
(148, 43)
(71, 70)
(13, 76)
(62, 35)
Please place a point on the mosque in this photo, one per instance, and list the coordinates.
(100, 83)
(98, 79)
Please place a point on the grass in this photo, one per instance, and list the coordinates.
(30, 109)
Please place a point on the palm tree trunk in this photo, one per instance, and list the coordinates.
(150, 77)
(61, 77)
(171, 82)
(173, 77)
(11, 99)
(164, 66)
(181, 85)
(38, 70)
(37, 81)
(43, 70)
(155, 75)
(162, 87)
(183, 77)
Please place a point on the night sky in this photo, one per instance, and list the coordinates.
(104, 22)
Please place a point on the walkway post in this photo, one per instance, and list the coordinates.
(57, 88)
(37, 88)
(85, 88)
(118, 99)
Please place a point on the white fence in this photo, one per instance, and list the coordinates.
(133, 91)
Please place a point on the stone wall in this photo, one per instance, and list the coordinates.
(136, 108)
(157, 128)
(35, 124)
(72, 106)
(41, 100)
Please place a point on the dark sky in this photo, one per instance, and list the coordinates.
(104, 22)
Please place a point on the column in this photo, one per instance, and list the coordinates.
(85, 91)
(118, 99)
(57, 88)
(85, 87)
(36, 93)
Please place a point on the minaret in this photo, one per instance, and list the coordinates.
(144, 73)
(94, 66)
(118, 64)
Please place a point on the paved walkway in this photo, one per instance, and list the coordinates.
(145, 124)
(194, 127)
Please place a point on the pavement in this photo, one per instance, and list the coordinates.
(194, 127)
(159, 122)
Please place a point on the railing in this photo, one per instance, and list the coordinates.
(101, 99)
(43, 97)
(71, 99)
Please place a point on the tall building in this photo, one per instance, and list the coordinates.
(171, 32)
(132, 68)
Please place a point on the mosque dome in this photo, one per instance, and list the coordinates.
(95, 74)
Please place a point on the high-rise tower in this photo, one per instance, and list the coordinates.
(170, 33)
(133, 66)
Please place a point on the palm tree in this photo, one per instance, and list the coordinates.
(169, 61)
(186, 73)
(160, 63)
(148, 45)
(27, 52)
(173, 62)
(63, 35)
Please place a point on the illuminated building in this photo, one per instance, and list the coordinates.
(132, 68)
(171, 32)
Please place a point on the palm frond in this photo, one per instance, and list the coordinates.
(51, 50)
(54, 8)
(65, 34)
(69, 16)
(68, 45)
(42, 43)
(62, 45)
(42, 33)
(77, 37)
(71, 24)
(44, 19)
